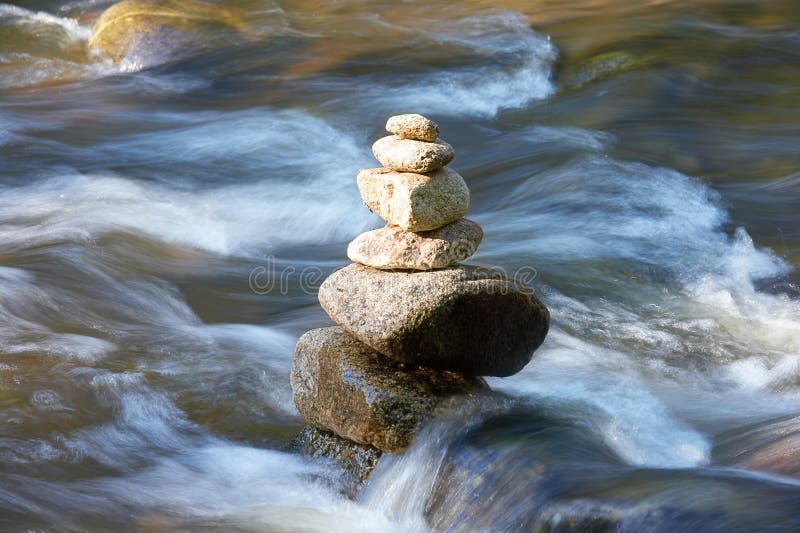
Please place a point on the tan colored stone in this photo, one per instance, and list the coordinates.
(392, 247)
(415, 202)
(413, 126)
(408, 155)
(466, 319)
(148, 32)
(344, 386)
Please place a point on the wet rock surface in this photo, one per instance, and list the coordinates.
(356, 460)
(770, 446)
(535, 470)
(142, 33)
(342, 385)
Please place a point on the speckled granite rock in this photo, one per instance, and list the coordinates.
(392, 247)
(408, 155)
(413, 126)
(344, 386)
(415, 202)
(355, 460)
(466, 319)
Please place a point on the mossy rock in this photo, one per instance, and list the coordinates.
(604, 65)
(142, 33)
(356, 461)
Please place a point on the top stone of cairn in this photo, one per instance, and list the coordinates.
(413, 126)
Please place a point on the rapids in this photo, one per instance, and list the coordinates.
(163, 233)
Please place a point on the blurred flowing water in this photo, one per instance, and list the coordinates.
(640, 158)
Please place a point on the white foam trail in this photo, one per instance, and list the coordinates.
(244, 487)
(485, 90)
(514, 67)
(687, 322)
(22, 303)
(21, 15)
(307, 194)
(628, 416)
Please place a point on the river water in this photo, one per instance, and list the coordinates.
(163, 229)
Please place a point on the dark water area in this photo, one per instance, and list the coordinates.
(164, 226)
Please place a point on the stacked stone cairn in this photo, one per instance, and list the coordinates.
(414, 326)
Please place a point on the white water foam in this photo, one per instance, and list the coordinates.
(631, 419)
(490, 88)
(20, 15)
(680, 316)
(509, 66)
(307, 193)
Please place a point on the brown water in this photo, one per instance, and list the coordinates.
(640, 157)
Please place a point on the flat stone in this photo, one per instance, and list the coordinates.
(392, 247)
(413, 126)
(408, 155)
(415, 202)
(342, 385)
(467, 319)
(355, 460)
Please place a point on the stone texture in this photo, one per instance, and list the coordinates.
(415, 202)
(770, 446)
(356, 460)
(392, 247)
(148, 32)
(413, 126)
(408, 155)
(343, 386)
(466, 319)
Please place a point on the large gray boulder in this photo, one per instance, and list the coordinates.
(342, 385)
(392, 247)
(467, 319)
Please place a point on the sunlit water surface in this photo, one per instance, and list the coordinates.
(639, 157)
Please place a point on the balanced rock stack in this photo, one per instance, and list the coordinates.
(414, 326)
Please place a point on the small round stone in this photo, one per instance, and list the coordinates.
(413, 126)
(408, 155)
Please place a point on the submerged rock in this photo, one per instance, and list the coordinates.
(142, 33)
(356, 460)
(344, 386)
(771, 446)
(466, 319)
(408, 155)
(394, 248)
(539, 470)
(413, 126)
(602, 66)
(415, 202)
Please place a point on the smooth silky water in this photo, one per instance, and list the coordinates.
(162, 232)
